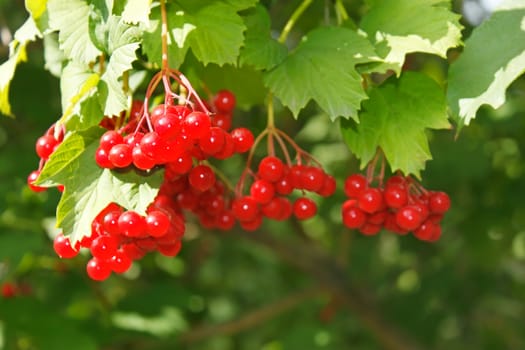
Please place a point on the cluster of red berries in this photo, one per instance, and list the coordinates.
(120, 236)
(273, 182)
(173, 134)
(44, 147)
(402, 206)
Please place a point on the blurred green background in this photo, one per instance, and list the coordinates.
(287, 286)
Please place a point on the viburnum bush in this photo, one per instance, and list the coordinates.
(150, 91)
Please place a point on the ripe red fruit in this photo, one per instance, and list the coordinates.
(140, 160)
(425, 231)
(213, 141)
(224, 101)
(312, 178)
(225, 221)
(9, 290)
(439, 202)
(370, 200)
(157, 223)
(354, 217)
(262, 191)
(102, 158)
(167, 126)
(45, 145)
(369, 229)
(120, 262)
(131, 224)
(170, 250)
(396, 196)
(63, 248)
(104, 247)
(120, 155)
(304, 208)
(223, 121)
(245, 208)
(154, 146)
(110, 222)
(354, 185)
(33, 176)
(97, 269)
(408, 218)
(243, 139)
(109, 139)
(201, 178)
(196, 124)
(271, 169)
(329, 186)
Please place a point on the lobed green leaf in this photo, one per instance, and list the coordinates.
(395, 118)
(493, 58)
(418, 26)
(89, 188)
(322, 68)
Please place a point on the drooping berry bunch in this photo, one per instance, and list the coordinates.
(119, 236)
(275, 180)
(401, 206)
(44, 147)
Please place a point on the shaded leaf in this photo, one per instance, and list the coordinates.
(322, 68)
(493, 58)
(395, 119)
(136, 11)
(434, 29)
(89, 188)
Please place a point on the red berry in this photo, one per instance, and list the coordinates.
(201, 178)
(369, 229)
(102, 158)
(142, 161)
(243, 139)
(396, 196)
(425, 231)
(329, 186)
(304, 208)
(154, 146)
(353, 217)
(245, 208)
(439, 203)
(133, 139)
(251, 225)
(97, 269)
(262, 191)
(271, 169)
(120, 262)
(131, 224)
(45, 145)
(408, 218)
(196, 124)
(224, 101)
(170, 250)
(223, 121)
(33, 176)
(167, 126)
(354, 185)
(284, 186)
(157, 223)
(273, 208)
(9, 290)
(370, 200)
(109, 139)
(120, 155)
(182, 165)
(213, 141)
(110, 222)
(312, 178)
(63, 248)
(104, 247)
(225, 221)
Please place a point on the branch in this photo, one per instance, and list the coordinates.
(252, 318)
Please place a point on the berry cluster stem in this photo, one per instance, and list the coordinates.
(293, 19)
(164, 34)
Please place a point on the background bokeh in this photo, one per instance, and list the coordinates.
(311, 285)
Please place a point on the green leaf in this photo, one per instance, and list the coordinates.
(395, 119)
(124, 40)
(17, 53)
(89, 188)
(245, 82)
(77, 82)
(493, 58)
(38, 11)
(71, 19)
(137, 11)
(212, 29)
(417, 26)
(260, 50)
(322, 68)
(53, 56)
